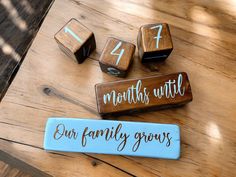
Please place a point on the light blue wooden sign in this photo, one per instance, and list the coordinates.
(113, 137)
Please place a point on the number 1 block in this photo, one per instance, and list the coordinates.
(75, 40)
(154, 42)
(116, 57)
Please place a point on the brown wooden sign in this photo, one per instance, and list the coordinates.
(145, 93)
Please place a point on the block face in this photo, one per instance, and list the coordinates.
(83, 52)
(154, 42)
(67, 51)
(113, 137)
(116, 57)
(76, 40)
(150, 37)
(156, 92)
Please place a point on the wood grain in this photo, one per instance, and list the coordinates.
(7, 170)
(19, 23)
(10, 166)
(75, 40)
(50, 84)
(154, 42)
(143, 94)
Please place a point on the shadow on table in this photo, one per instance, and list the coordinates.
(19, 22)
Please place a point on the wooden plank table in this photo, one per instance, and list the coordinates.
(50, 84)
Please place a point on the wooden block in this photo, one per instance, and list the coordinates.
(116, 57)
(154, 42)
(75, 40)
(142, 94)
(113, 137)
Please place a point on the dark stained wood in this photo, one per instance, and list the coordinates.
(116, 57)
(134, 95)
(19, 22)
(11, 167)
(154, 42)
(8, 171)
(75, 40)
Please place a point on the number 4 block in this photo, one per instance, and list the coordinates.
(75, 40)
(154, 42)
(116, 57)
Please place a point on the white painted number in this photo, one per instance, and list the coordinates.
(158, 37)
(113, 71)
(85, 54)
(68, 30)
(118, 54)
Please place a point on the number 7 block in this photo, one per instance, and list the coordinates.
(75, 40)
(116, 57)
(154, 42)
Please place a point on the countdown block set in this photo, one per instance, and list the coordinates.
(85, 135)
